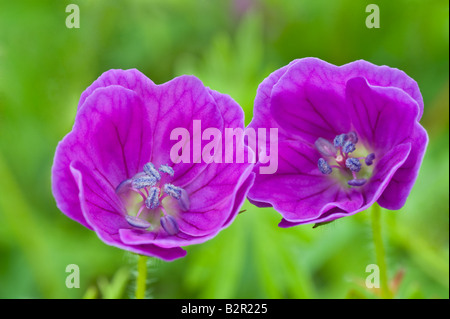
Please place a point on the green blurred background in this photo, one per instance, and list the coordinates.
(231, 46)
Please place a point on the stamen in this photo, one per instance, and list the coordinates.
(357, 182)
(169, 224)
(140, 210)
(142, 182)
(353, 164)
(352, 137)
(152, 200)
(124, 186)
(339, 140)
(324, 147)
(137, 222)
(184, 201)
(339, 150)
(348, 147)
(324, 167)
(369, 159)
(150, 170)
(166, 169)
(172, 190)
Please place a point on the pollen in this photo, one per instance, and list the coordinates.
(357, 182)
(142, 181)
(369, 159)
(152, 200)
(166, 169)
(353, 164)
(169, 224)
(150, 170)
(339, 140)
(137, 222)
(348, 147)
(172, 190)
(324, 167)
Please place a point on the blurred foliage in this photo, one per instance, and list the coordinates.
(231, 46)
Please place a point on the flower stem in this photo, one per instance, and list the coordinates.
(141, 277)
(379, 251)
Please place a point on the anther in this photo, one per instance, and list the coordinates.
(150, 170)
(184, 201)
(137, 222)
(369, 159)
(339, 140)
(348, 147)
(172, 190)
(124, 186)
(353, 164)
(169, 224)
(152, 200)
(357, 182)
(141, 181)
(352, 137)
(325, 147)
(166, 169)
(324, 167)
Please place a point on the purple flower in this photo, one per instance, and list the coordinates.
(349, 136)
(113, 172)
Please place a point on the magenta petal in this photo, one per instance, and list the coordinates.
(212, 196)
(384, 171)
(232, 113)
(100, 205)
(162, 239)
(239, 198)
(298, 190)
(396, 193)
(309, 101)
(179, 103)
(384, 76)
(369, 194)
(262, 117)
(129, 79)
(63, 184)
(117, 123)
(108, 136)
(213, 193)
(103, 211)
(382, 117)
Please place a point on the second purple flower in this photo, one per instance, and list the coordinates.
(349, 136)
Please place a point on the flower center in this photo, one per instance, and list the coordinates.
(340, 152)
(154, 199)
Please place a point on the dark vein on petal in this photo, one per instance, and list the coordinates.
(320, 115)
(321, 191)
(305, 157)
(102, 208)
(190, 224)
(318, 127)
(99, 196)
(376, 121)
(141, 141)
(123, 151)
(355, 110)
(368, 117)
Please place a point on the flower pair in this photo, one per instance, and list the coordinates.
(347, 137)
